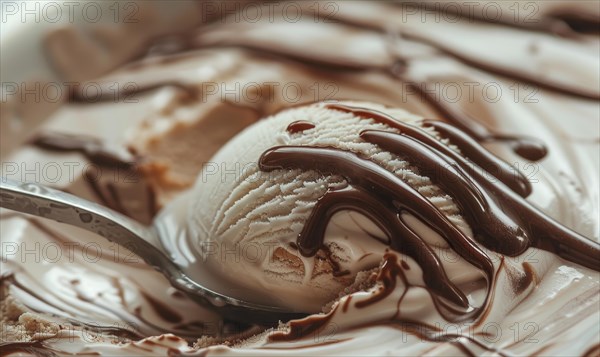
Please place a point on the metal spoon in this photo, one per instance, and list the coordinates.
(45, 202)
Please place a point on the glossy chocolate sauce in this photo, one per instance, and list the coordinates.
(470, 148)
(501, 219)
(299, 126)
(381, 196)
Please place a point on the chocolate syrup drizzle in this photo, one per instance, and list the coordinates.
(299, 126)
(469, 147)
(501, 219)
(503, 199)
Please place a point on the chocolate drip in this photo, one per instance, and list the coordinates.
(386, 217)
(489, 162)
(299, 126)
(470, 148)
(390, 270)
(501, 219)
(382, 196)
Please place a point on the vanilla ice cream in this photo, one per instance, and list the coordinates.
(269, 223)
(403, 229)
(242, 222)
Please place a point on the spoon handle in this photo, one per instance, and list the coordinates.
(45, 202)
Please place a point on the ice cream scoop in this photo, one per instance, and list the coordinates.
(289, 211)
(287, 214)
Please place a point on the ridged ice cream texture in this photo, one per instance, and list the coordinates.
(242, 220)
